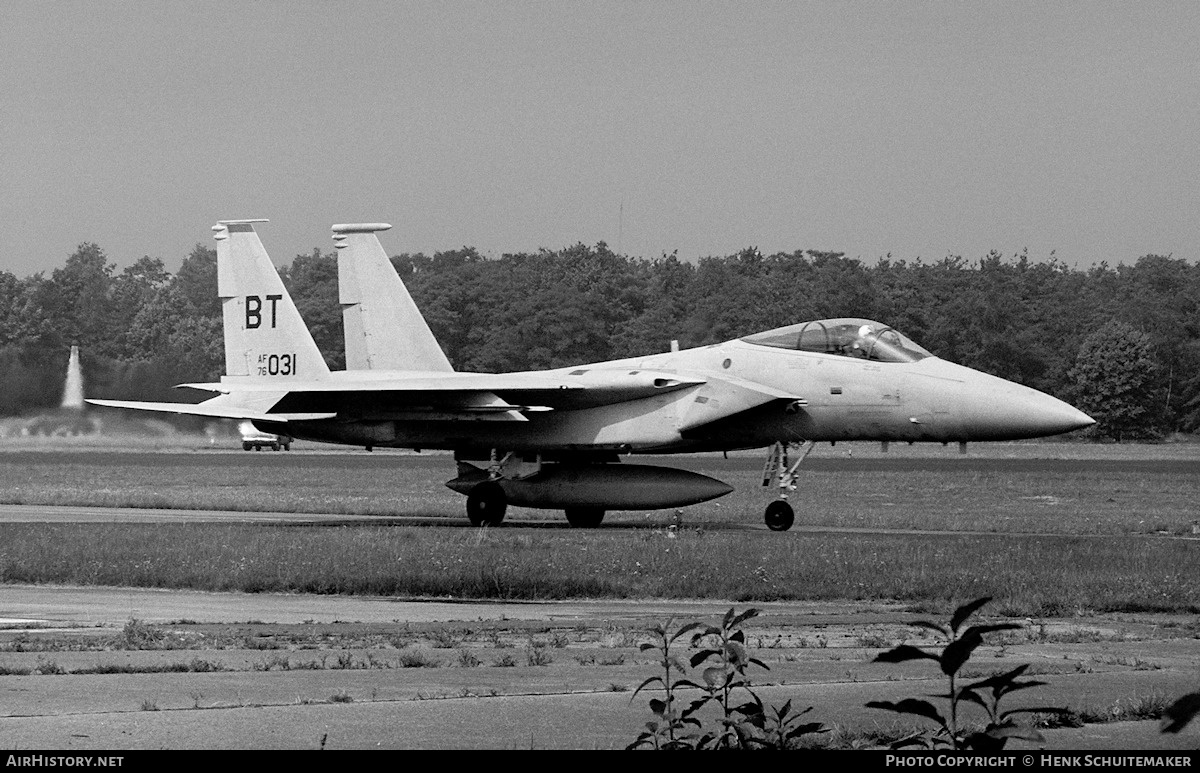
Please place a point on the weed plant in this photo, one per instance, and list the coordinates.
(1177, 716)
(418, 659)
(671, 728)
(987, 693)
(538, 656)
(721, 654)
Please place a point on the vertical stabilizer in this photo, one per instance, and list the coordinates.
(383, 327)
(265, 337)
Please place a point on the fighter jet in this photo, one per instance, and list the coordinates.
(556, 439)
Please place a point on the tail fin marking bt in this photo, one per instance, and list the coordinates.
(265, 336)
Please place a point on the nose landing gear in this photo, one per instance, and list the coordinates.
(779, 515)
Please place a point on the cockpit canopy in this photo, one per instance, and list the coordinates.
(847, 337)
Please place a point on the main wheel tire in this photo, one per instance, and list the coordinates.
(246, 446)
(274, 446)
(780, 516)
(486, 504)
(585, 517)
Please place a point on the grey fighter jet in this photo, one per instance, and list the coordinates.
(555, 439)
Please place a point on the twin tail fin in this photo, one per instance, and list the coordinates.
(384, 329)
(265, 337)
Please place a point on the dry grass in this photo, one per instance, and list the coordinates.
(1028, 576)
(1041, 527)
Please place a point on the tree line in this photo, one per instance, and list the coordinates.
(1122, 343)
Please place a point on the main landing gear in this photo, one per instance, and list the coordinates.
(508, 477)
(486, 504)
(779, 515)
(584, 517)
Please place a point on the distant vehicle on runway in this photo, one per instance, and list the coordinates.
(555, 439)
(255, 439)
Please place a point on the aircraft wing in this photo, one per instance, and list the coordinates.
(725, 396)
(468, 396)
(405, 391)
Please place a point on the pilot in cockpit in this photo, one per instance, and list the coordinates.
(864, 343)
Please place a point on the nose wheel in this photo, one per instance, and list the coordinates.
(781, 470)
(780, 516)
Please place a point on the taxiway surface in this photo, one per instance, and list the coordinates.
(819, 654)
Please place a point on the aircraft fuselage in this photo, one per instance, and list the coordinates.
(838, 398)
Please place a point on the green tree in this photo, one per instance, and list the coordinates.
(76, 299)
(448, 290)
(665, 301)
(1114, 377)
(12, 306)
(163, 330)
(197, 282)
(312, 281)
(131, 290)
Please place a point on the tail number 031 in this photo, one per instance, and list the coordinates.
(277, 364)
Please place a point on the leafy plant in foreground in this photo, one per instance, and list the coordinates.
(1181, 712)
(669, 729)
(986, 693)
(785, 726)
(722, 652)
(725, 657)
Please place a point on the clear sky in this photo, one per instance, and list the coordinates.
(917, 128)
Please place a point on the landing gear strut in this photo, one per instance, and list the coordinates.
(779, 468)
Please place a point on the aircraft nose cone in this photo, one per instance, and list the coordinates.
(1048, 415)
(1008, 411)
(991, 408)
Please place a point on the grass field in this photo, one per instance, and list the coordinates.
(1047, 529)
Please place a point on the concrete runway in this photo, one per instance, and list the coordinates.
(83, 514)
(574, 702)
(819, 654)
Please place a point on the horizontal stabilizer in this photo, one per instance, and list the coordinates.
(222, 411)
(395, 381)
